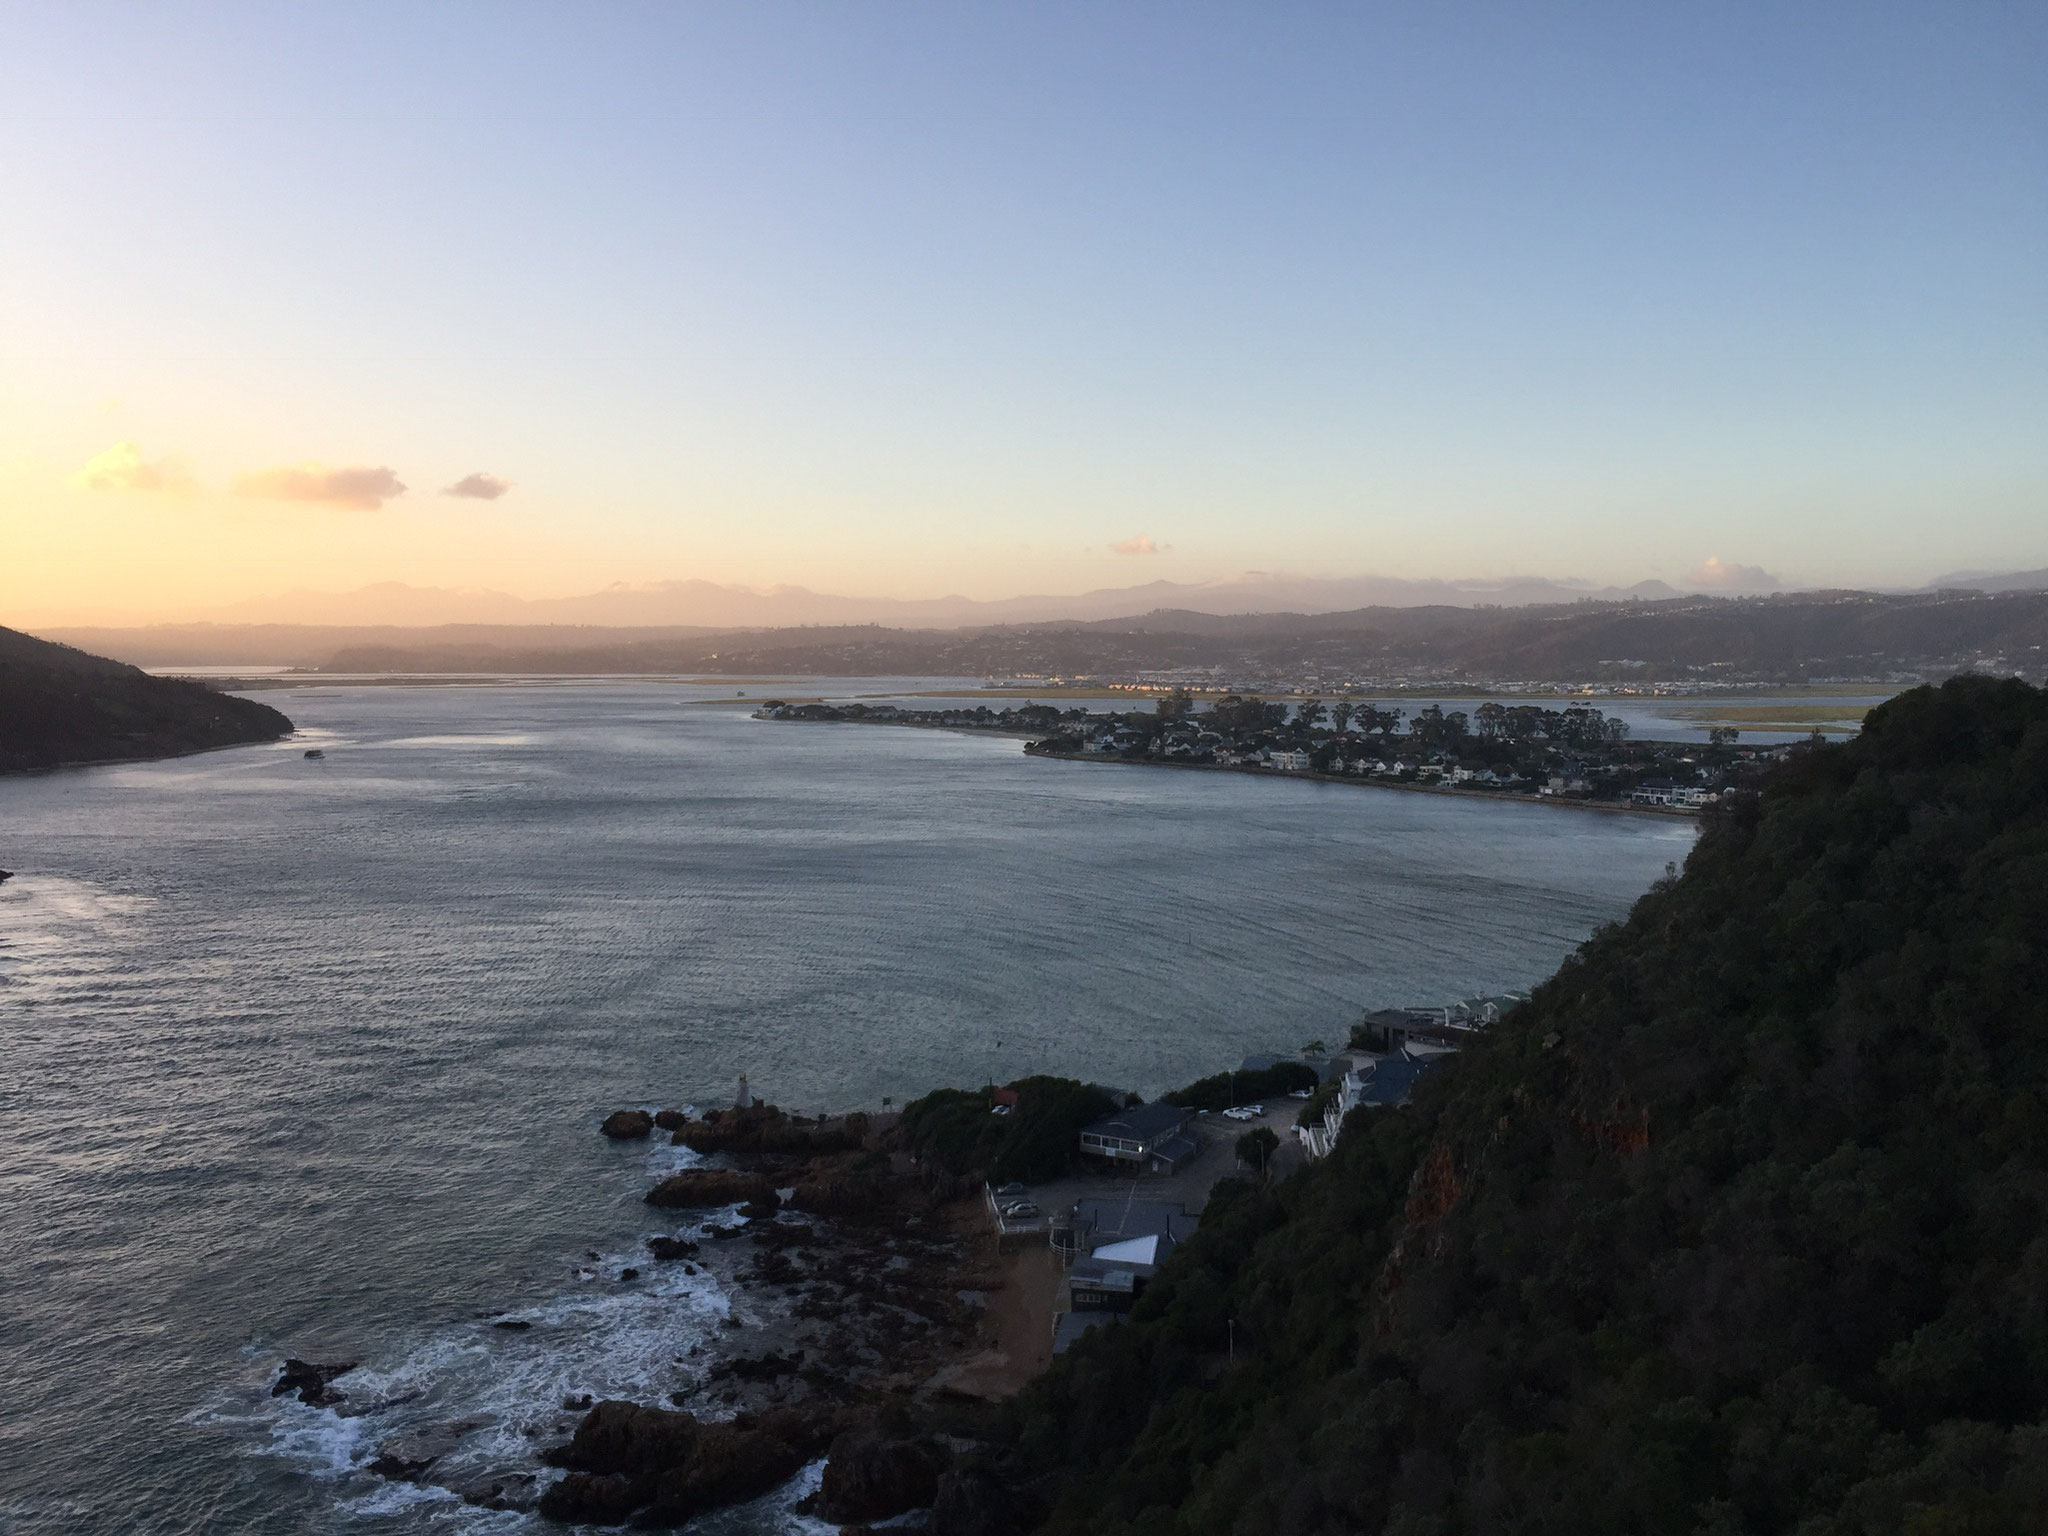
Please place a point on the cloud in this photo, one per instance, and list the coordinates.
(123, 468)
(1717, 574)
(363, 488)
(478, 487)
(1139, 544)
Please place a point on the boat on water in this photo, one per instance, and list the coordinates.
(315, 752)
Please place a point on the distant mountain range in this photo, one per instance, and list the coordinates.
(706, 604)
(710, 605)
(1786, 637)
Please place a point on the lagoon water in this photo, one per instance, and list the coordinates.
(306, 1056)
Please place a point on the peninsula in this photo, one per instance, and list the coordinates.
(60, 706)
(1571, 756)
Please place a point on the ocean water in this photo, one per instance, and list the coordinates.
(306, 1056)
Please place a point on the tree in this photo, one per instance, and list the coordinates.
(1257, 1146)
(1434, 729)
(1242, 714)
(1379, 722)
(1340, 716)
(1307, 713)
(1177, 706)
(1723, 735)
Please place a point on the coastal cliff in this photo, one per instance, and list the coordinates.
(1736, 1226)
(60, 706)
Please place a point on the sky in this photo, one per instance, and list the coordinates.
(906, 300)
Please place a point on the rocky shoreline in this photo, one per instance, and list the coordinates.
(857, 1284)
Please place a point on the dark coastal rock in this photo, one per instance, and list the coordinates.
(505, 1491)
(730, 1464)
(713, 1186)
(406, 1457)
(311, 1380)
(512, 1324)
(618, 1436)
(584, 1498)
(766, 1129)
(628, 1124)
(671, 1119)
(766, 1367)
(839, 1194)
(660, 1468)
(6, 874)
(872, 1477)
(668, 1249)
(629, 1273)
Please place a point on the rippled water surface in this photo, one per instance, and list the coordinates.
(306, 1056)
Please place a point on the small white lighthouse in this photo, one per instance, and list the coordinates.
(745, 1100)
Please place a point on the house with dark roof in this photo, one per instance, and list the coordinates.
(1153, 1138)
(1376, 1082)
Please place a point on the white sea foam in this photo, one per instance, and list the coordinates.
(488, 1399)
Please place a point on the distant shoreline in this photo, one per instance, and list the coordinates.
(1672, 812)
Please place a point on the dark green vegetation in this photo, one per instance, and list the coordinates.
(1740, 1225)
(1037, 1139)
(58, 705)
(1228, 1088)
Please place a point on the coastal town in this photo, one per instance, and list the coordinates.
(1574, 754)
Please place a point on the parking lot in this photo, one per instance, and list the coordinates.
(1189, 1187)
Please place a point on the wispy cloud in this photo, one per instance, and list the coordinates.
(123, 468)
(363, 488)
(478, 487)
(1138, 544)
(1719, 574)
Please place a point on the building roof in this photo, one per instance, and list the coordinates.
(1135, 1250)
(1392, 1079)
(1141, 1123)
(1108, 1221)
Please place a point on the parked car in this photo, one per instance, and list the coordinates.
(1000, 1109)
(1302, 1093)
(1013, 1191)
(1020, 1210)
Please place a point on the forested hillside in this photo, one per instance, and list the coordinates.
(1741, 1225)
(59, 705)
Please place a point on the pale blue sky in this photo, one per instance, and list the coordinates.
(910, 299)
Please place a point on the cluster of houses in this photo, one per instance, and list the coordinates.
(1576, 753)
(1112, 1246)
(1406, 760)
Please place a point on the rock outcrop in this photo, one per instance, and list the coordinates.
(628, 1124)
(660, 1468)
(839, 1194)
(872, 1477)
(699, 1187)
(764, 1128)
(312, 1380)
